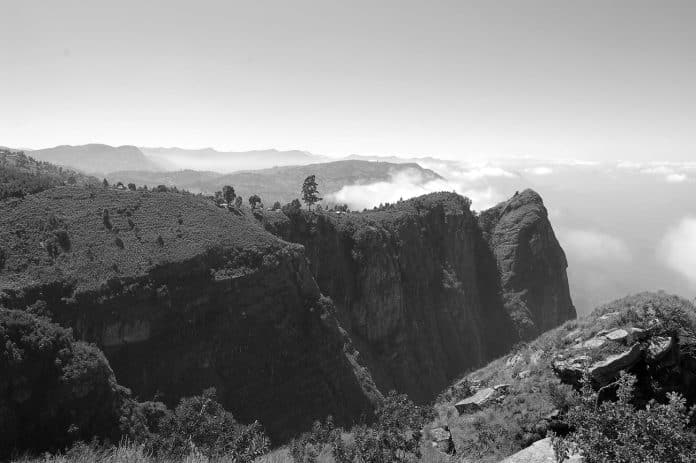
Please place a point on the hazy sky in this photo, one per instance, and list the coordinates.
(581, 79)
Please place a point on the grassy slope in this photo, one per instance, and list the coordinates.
(500, 430)
(188, 226)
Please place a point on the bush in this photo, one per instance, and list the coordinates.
(618, 432)
(200, 424)
(53, 390)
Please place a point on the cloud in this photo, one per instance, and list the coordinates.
(676, 178)
(678, 248)
(593, 246)
(539, 170)
(409, 183)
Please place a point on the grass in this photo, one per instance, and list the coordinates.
(500, 430)
(65, 234)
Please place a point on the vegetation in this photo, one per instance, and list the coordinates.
(255, 201)
(21, 175)
(395, 436)
(310, 191)
(618, 432)
(55, 391)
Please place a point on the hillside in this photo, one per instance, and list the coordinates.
(21, 175)
(280, 183)
(417, 286)
(97, 159)
(182, 296)
(513, 401)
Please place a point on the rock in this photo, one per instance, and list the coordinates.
(503, 388)
(441, 439)
(477, 401)
(659, 347)
(540, 451)
(531, 263)
(570, 371)
(572, 335)
(523, 374)
(594, 343)
(606, 370)
(619, 335)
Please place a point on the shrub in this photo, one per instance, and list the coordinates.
(618, 432)
(53, 390)
(200, 423)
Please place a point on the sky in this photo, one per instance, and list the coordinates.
(452, 79)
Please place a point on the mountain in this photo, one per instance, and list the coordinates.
(97, 159)
(228, 161)
(282, 183)
(416, 284)
(182, 296)
(320, 317)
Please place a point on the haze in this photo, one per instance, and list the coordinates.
(452, 79)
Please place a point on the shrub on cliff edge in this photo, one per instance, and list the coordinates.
(53, 390)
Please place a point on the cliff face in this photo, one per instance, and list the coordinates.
(531, 263)
(225, 305)
(415, 286)
(426, 291)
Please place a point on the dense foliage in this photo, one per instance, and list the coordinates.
(393, 437)
(53, 390)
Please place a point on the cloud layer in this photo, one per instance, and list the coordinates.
(409, 183)
(678, 248)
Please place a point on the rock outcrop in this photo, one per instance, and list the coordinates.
(532, 264)
(416, 284)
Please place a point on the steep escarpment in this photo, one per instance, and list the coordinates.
(182, 296)
(415, 285)
(531, 263)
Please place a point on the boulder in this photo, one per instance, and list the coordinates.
(441, 439)
(477, 401)
(659, 348)
(608, 315)
(524, 374)
(594, 343)
(603, 372)
(570, 370)
(540, 451)
(619, 335)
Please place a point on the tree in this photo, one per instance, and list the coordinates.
(310, 192)
(105, 183)
(132, 187)
(254, 201)
(228, 194)
(276, 206)
(238, 202)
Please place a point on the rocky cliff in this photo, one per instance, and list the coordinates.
(417, 284)
(182, 296)
(531, 263)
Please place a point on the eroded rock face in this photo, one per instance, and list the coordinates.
(415, 286)
(531, 262)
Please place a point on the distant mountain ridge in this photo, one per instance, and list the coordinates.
(279, 183)
(97, 158)
(228, 161)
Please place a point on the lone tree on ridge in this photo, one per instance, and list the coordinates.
(310, 193)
